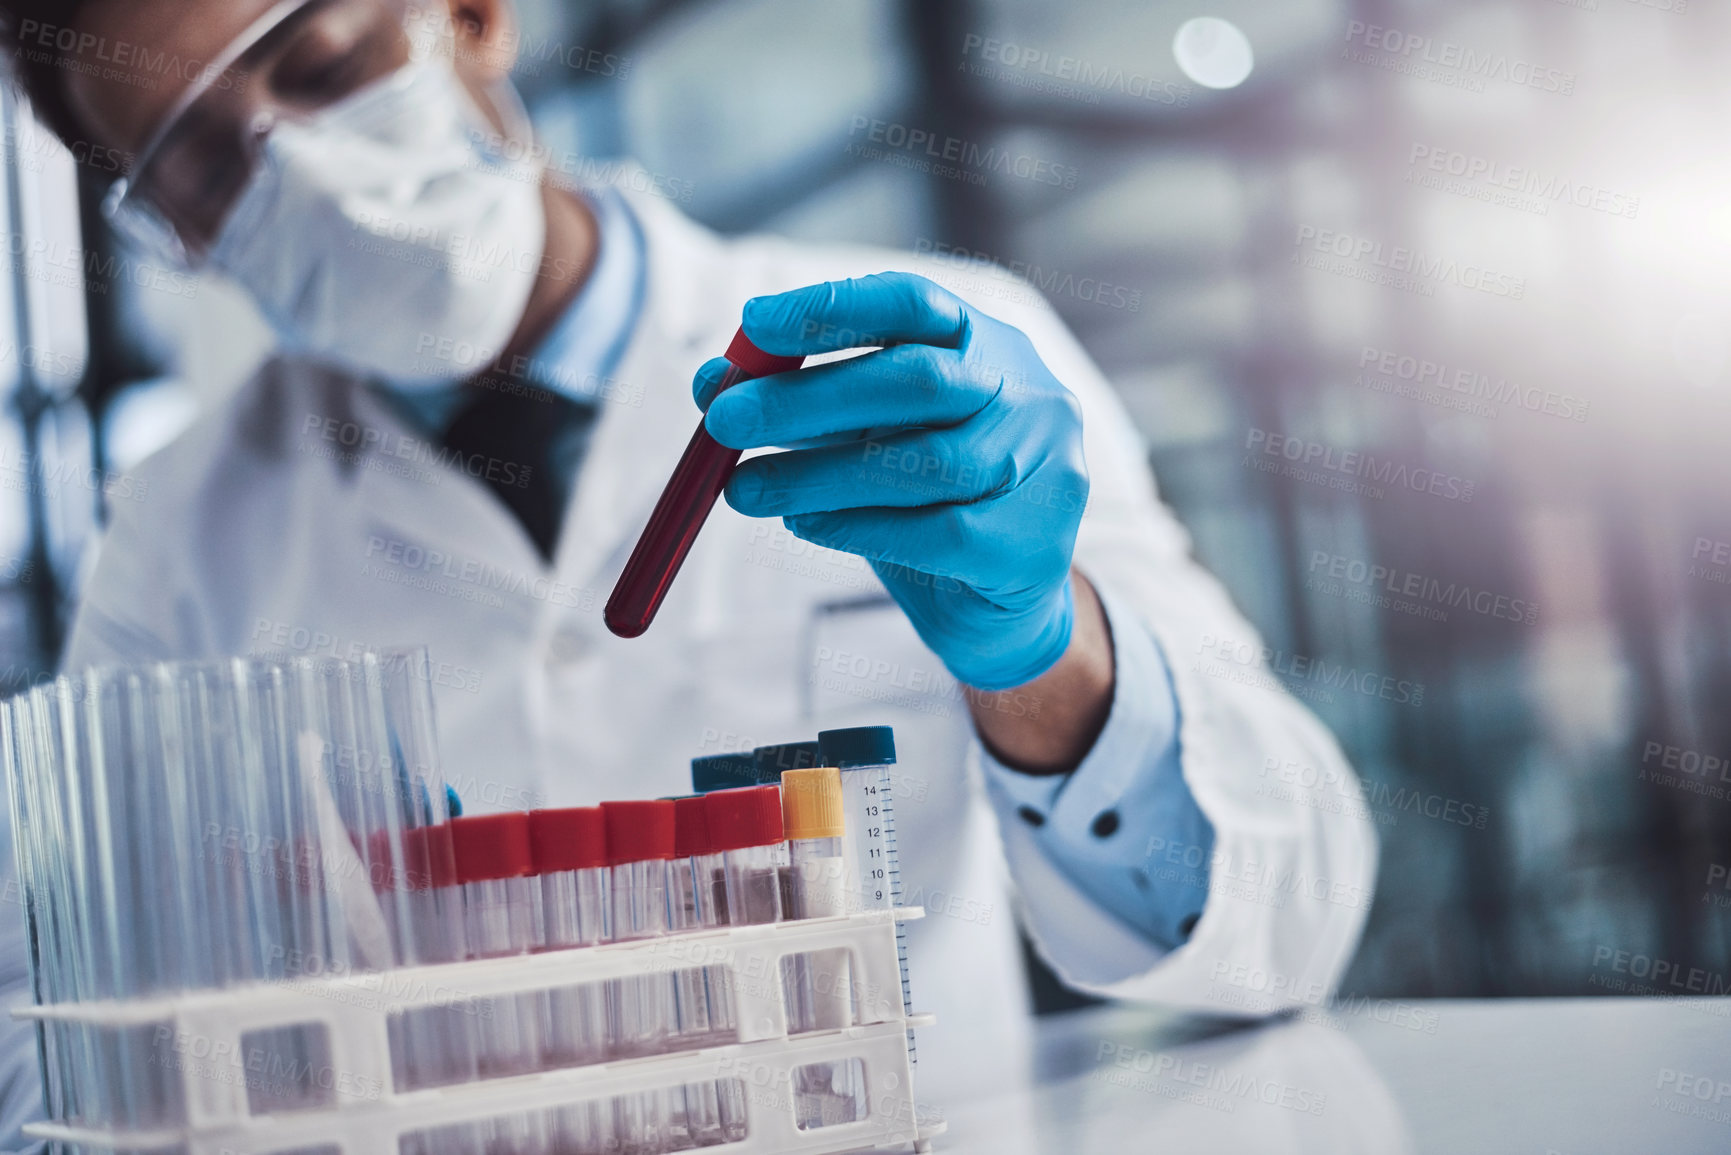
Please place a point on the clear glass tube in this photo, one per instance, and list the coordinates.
(819, 984)
(869, 841)
(575, 912)
(704, 999)
(755, 877)
(572, 903)
(640, 1009)
(875, 881)
(195, 825)
(499, 915)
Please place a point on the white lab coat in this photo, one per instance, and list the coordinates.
(255, 533)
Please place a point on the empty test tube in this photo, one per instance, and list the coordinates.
(703, 994)
(818, 984)
(864, 755)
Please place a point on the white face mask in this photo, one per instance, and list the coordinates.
(385, 228)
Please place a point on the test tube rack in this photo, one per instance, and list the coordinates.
(367, 1115)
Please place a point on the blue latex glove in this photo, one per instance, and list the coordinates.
(950, 459)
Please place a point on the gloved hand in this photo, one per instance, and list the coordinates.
(950, 459)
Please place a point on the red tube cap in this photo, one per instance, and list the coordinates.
(691, 827)
(755, 361)
(574, 838)
(742, 818)
(429, 857)
(638, 831)
(492, 846)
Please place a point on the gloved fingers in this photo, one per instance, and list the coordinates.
(910, 385)
(941, 542)
(882, 309)
(905, 470)
(707, 382)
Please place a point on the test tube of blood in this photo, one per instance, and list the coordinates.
(684, 505)
(640, 1009)
(818, 984)
(570, 853)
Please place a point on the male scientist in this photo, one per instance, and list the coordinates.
(480, 390)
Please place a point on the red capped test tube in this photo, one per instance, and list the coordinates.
(570, 852)
(494, 868)
(570, 848)
(640, 1009)
(684, 505)
(695, 872)
(745, 830)
(433, 1046)
(701, 994)
(745, 827)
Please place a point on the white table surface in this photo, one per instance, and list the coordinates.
(1564, 1076)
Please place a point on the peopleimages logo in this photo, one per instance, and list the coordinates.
(1424, 375)
(1223, 654)
(1399, 267)
(1040, 70)
(952, 155)
(1430, 59)
(1403, 586)
(1051, 282)
(1355, 468)
(1522, 179)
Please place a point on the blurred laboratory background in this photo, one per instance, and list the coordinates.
(1466, 262)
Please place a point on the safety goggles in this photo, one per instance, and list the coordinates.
(298, 58)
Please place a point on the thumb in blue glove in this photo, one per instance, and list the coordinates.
(949, 458)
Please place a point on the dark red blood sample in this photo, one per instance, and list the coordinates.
(684, 506)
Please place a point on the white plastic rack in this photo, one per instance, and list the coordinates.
(368, 1115)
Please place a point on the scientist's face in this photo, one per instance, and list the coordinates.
(328, 155)
(157, 54)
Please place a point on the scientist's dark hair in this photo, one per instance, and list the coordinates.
(30, 32)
